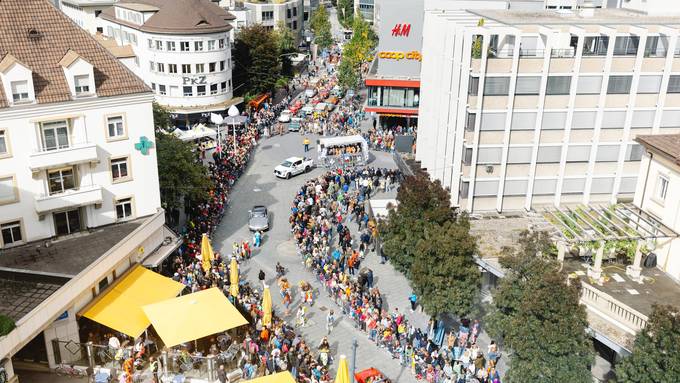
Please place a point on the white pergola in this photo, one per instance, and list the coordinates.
(600, 224)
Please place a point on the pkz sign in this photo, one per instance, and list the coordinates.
(198, 80)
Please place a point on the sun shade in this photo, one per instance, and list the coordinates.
(280, 377)
(120, 308)
(193, 316)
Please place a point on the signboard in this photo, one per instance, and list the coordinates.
(400, 34)
(415, 55)
(196, 80)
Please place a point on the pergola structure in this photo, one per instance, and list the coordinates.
(599, 225)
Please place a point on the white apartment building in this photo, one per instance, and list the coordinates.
(273, 13)
(79, 192)
(85, 12)
(657, 193)
(520, 109)
(183, 52)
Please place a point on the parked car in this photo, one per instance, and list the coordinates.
(295, 124)
(309, 93)
(285, 116)
(258, 218)
(293, 166)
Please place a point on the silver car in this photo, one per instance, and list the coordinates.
(259, 219)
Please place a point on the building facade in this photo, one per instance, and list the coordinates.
(79, 190)
(183, 51)
(657, 193)
(85, 12)
(365, 8)
(272, 14)
(521, 110)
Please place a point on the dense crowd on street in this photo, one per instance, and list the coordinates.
(383, 137)
(322, 212)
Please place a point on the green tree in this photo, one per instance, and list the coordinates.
(655, 357)
(6, 325)
(356, 52)
(537, 312)
(321, 26)
(345, 12)
(256, 55)
(285, 42)
(179, 174)
(161, 117)
(452, 286)
(348, 77)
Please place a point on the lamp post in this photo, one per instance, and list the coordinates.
(233, 112)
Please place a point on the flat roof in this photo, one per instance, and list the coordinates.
(20, 293)
(66, 257)
(553, 17)
(139, 7)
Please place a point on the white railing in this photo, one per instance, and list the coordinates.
(614, 310)
(73, 154)
(82, 196)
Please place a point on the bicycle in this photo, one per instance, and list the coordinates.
(72, 371)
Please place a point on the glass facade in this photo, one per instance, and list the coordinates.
(394, 97)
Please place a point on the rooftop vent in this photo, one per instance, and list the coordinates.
(34, 34)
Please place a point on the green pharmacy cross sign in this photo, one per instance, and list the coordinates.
(144, 145)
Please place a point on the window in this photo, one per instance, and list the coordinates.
(649, 84)
(200, 68)
(642, 119)
(213, 89)
(634, 152)
(294, 11)
(519, 155)
(67, 222)
(161, 90)
(172, 68)
(160, 67)
(131, 36)
(170, 45)
(294, 25)
(613, 119)
(496, 86)
(527, 85)
(124, 208)
(115, 126)
(467, 156)
(473, 86)
(61, 180)
(674, 84)
(661, 187)
(470, 123)
(544, 187)
(523, 121)
(628, 185)
(492, 121)
(288, 13)
(607, 153)
(186, 68)
(626, 45)
(558, 85)
(19, 91)
(516, 187)
(153, 86)
(11, 233)
(589, 85)
(573, 185)
(4, 143)
(211, 45)
(221, 66)
(670, 119)
(602, 186)
(595, 46)
(464, 189)
(619, 84)
(54, 135)
(8, 191)
(578, 153)
(549, 154)
(221, 43)
(200, 90)
(267, 15)
(489, 155)
(486, 188)
(583, 120)
(188, 91)
(554, 120)
(119, 169)
(198, 45)
(82, 83)
(656, 46)
(184, 46)
(212, 67)
(152, 66)
(223, 86)
(150, 43)
(159, 45)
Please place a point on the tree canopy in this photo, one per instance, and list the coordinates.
(537, 312)
(256, 57)
(161, 117)
(345, 12)
(356, 52)
(655, 357)
(321, 26)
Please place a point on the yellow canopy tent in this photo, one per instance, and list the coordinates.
(343, 371)
(233, 278)
(193, 316)
(279, 377)
(266, 307)
(120, 308)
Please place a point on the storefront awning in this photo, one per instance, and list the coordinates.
(193, 316)
(120, 307)
(170, 243)
(280, 377)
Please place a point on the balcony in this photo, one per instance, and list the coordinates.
(72, 198)
(73, 155)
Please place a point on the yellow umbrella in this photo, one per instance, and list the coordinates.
(206, 253)
(266, 307)
(233, 277)
(343, 371)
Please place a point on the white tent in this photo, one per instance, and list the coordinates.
(329, 142)
(198, 131)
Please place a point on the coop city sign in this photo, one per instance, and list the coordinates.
(413, 55)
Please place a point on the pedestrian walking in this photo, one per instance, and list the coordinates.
(261, 277)
(330, 320)
(305, 142)
(414, 301)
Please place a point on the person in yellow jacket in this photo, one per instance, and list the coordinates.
(306, 143)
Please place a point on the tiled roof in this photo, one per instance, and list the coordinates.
(667, 144)
(39, 36)
(177, 16)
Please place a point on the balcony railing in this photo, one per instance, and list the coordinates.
(612, 308)
(562, 53)
(71, 155)
(71, 198)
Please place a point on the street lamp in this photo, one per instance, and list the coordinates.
(233, 112)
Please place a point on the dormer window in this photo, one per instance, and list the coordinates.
(82, 83)
(20, 91)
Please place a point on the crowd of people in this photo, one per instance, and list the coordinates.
(383, 138)
(322, 213)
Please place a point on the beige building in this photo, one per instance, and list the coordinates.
(524, 109)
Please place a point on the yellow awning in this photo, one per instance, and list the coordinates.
(193, 316)
(279, 377)
(120, 308)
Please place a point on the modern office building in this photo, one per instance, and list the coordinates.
(365, 8)
(519, 110)
(183, 50)
(85, 12)
(273, 13)
(79, 197)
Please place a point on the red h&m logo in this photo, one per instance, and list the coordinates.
(401, 30)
